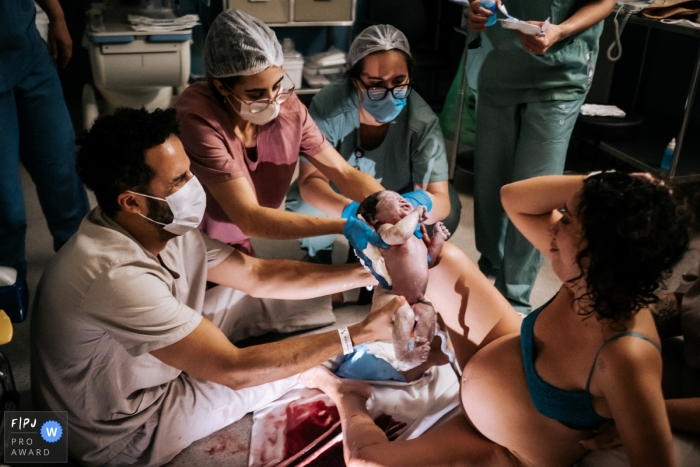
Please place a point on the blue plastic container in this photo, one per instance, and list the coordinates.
(668, 155)
(491, 6)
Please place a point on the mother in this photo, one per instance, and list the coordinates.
(244, 131)
(533, 390)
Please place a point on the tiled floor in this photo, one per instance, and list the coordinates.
(229, 446)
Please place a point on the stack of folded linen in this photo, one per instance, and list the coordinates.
(146, 24)
(323, 68)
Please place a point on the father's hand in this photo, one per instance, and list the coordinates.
(379, 322)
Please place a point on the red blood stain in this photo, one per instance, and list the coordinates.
(390, 426)
(305, 423)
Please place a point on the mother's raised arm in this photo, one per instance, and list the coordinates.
(533, 205)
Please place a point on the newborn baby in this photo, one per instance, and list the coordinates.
(405, 267)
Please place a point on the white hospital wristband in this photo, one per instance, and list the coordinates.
(346, 341)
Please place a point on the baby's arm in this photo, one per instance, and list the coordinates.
(401, 231)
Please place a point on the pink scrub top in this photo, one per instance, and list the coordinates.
(217, 155)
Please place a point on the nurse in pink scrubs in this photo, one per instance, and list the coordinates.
(244, 133)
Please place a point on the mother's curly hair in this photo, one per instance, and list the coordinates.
(633, 235)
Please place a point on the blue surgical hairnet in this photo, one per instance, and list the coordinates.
(377, 38)
(240, 45)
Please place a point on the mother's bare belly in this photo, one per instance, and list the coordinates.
(497, 402)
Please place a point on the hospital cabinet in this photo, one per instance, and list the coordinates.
(658, 76)
(298, 12)
(133, 68)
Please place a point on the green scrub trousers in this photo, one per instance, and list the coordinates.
(515, 142)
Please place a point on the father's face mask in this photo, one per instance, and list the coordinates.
(187, 205)
(384, 110)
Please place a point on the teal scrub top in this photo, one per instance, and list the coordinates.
(509, 75)
(413, 151)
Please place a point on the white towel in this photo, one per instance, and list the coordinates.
(597, 110)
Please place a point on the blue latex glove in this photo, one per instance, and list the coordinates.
(350, 210)
(418, 198)
(359, 235)
(366, 366)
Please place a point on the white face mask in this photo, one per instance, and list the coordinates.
(262, 117)
(187, 205)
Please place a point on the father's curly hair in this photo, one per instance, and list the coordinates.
(112, 154)
(633, 235)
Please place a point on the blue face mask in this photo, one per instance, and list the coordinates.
(384, 110)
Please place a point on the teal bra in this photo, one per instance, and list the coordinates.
(571, 408)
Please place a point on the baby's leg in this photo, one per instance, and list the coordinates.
(440, 235)
(404, 319)
(409, 353)
(425, 322)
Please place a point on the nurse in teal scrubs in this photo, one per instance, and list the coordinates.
(530, 91)
(382, 127)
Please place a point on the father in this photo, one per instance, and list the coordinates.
(125, 335)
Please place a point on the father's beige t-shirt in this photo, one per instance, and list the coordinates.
(102, 305)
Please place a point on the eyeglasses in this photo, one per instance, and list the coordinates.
(377, 93)
(261, 104)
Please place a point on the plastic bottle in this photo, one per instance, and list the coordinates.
(490, 5)
(668, 155)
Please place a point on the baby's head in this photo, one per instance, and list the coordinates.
(384, 207)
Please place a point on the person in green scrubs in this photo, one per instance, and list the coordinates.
(530, 91)
(382, 127)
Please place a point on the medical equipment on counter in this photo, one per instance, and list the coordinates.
(134, 68)
(293, 64)
(627, 9)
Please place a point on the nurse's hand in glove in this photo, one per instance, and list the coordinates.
(359, 235)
